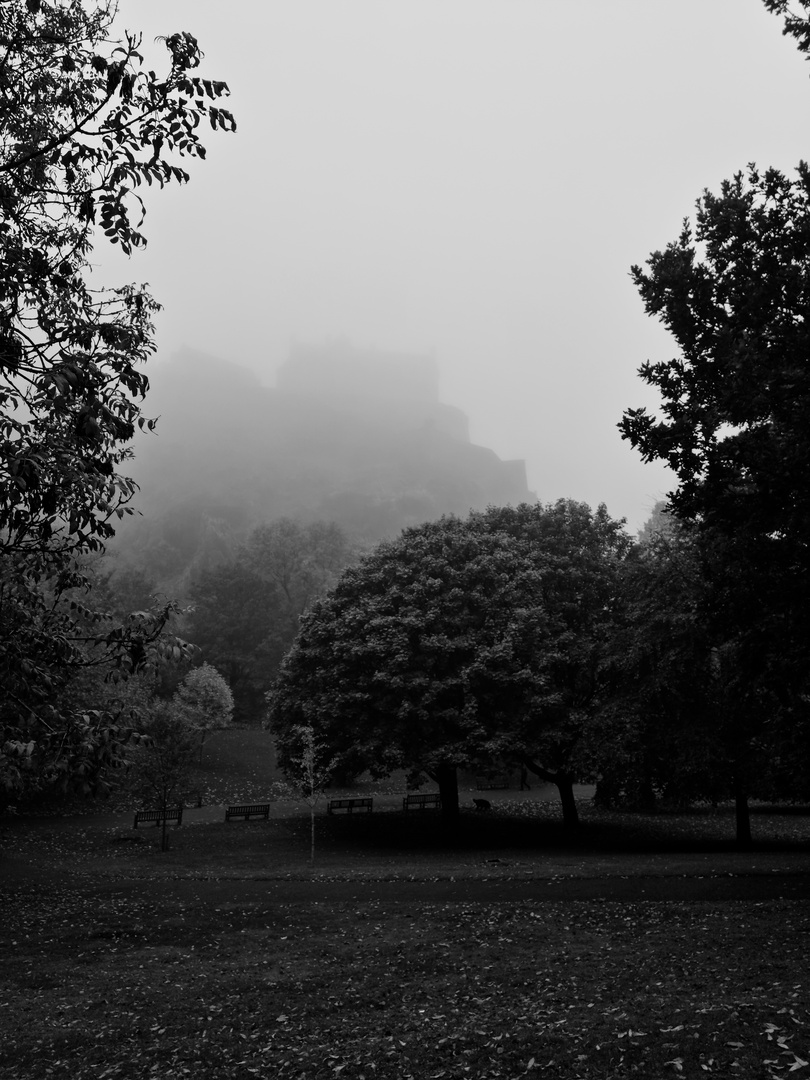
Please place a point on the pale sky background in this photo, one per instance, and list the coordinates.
(471, 178)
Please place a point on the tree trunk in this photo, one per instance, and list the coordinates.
(447, 778)
(565, 785)
(742, 815)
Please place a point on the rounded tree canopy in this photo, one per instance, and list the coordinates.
(450, 644)
(205, 697)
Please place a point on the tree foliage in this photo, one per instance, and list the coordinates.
(735, 428)
(228, 620)
(464, 643)
(160, 761)
(84, 129)
(245, 613)
(297, 563)
(734, 294)
(796, 26)
(309, 769)
(656, 732)
(205, 698)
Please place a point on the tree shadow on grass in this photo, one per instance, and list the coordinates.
(599, 832)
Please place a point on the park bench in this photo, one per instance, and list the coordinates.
(492, 783)
(171, 813)
(422, 802)
(349, 805)
(248, 810)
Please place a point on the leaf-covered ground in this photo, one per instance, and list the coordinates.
(381, 988)
(408, 950)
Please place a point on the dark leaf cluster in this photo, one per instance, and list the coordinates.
(83, 127)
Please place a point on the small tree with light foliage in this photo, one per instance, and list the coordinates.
(308, 770)
(206, 700)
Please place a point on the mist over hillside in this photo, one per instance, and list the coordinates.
(356, 437)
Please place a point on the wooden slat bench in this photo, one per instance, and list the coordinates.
(349, 805)
(422, 802)
(171, 814)
(492, 783)
(248, 810)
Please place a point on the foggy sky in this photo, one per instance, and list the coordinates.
(469, 178)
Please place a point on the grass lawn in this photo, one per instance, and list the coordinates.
(406, 951)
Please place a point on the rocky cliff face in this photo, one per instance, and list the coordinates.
(347, 436)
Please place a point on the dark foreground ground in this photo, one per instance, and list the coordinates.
(644, 947)
(402, 953)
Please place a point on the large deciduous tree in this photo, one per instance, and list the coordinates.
(735, 294)
(580, 554)
(245, 613)
(464, 643)
(735, 428)
(84, 130)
